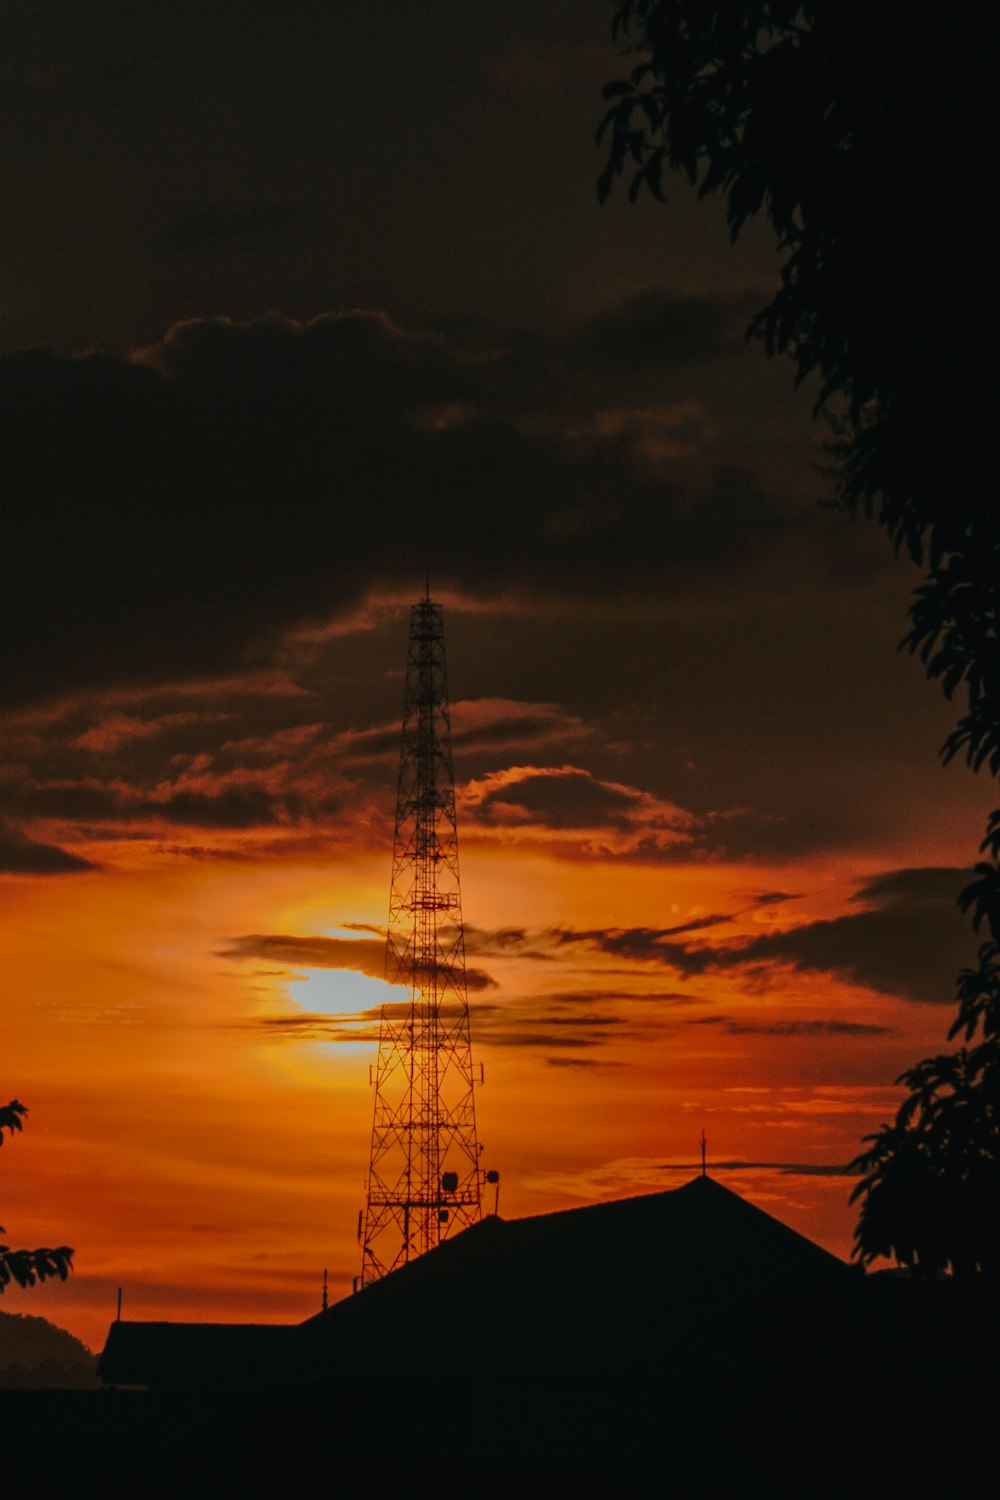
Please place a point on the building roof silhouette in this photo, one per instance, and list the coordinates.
(685, 1277)
(174, 1355)
(684, 1339)
(694, 1279)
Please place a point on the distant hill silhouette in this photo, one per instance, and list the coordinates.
(35, 1354)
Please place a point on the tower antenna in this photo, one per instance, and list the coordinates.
(424, 1178)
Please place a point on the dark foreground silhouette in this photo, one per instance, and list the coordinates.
(682, 1342)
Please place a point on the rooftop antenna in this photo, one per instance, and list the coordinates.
(704, 1169)
(326, 1291)
(424, 1177)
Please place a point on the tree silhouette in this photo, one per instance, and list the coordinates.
(851, 128)
(25, 1267)
(817, 117)
(931, 1183)
(931, 1180)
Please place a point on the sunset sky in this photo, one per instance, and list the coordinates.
(296, 307)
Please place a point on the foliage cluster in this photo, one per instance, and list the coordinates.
(26, 1267)
(931, 1180)
(853, 129)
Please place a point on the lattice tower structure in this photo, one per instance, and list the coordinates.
(424, 1178)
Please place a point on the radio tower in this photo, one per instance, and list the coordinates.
(424, 1179)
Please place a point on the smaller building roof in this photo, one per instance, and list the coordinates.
(175, 1355)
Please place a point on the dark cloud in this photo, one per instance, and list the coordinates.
(227, 807)
(365, 955)
(478, 979)
(495, 1026)
(74, 801)
(663, 329)
(792, 1168)
(594, 1063)
(697, 924)
(642, 944)
(230, 808)
(310, 1025)
(20, 855)
(344, 1026)
(500, 942)
(286, 753)
(237, 479)
(568, 799)
(909, 940)
(570, 805)
(532, 725)
(215, 225)
(735, 1027)
(531, 1023)
(920, 888)
(538, 1036)
(642, 997)
(116, 769)
(192, 851)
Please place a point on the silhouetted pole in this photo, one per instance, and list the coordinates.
(424, 1176)
(704, 1169)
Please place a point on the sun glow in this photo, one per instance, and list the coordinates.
(340, 994)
